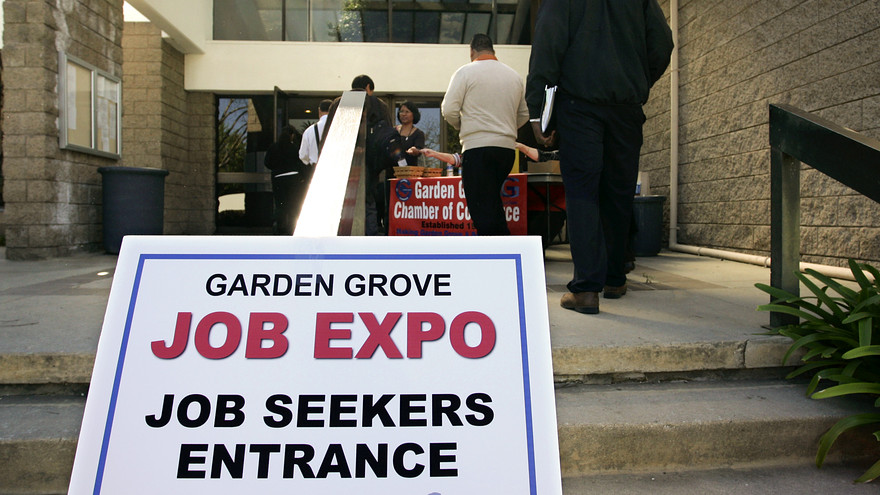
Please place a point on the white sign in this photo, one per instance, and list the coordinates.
(323, 366)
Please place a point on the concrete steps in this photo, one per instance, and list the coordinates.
(775, 480)
(693, 425)
(38, 436)
(609, 434)
(670, 390)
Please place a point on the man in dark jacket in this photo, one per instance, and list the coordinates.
(604, 56)
(380, 133)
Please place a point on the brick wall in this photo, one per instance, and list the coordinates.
(52, 196)
(736, 59)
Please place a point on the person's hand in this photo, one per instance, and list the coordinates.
(428, 152)
(530, 152)
(414, 151)
(545, 141)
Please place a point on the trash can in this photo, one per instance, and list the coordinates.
(134, 203)
(648, 213)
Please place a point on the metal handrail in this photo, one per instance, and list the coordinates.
(849, 157)
(334, 203)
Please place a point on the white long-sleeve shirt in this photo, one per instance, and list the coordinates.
(485, 102)
(308, 149)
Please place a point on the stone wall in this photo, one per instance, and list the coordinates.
(52, 196)
(2, 207)
(166, 127)
(736, 59)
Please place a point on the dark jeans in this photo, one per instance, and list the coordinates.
(599, 161)
(483, 172)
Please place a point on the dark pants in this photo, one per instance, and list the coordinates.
(599, 161)
(483, 172)
(289, 192)
(374, 198)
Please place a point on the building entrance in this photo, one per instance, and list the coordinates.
(248, 124)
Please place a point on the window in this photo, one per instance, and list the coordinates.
(90, 108)
(397, 21)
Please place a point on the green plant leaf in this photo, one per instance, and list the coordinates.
(792, 333)
(871, 304)
(862, 351)
(783, 296)
(823, 296)
(859, 275)
(841, 289)
(871, 474)
(779, 308)
(848, 389)
(858, 316)
(810, 367)
(820, 375)
(830, 436)
(777, 293)
(808, 327)
(822, 350)
(866, 331)
(820, 337)
(851, 368)
(842, 378)
(802, 302)
(813, 385)
(874, 273)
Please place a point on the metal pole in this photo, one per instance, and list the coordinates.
(784, 228)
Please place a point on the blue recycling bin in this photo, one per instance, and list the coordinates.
(648, 213)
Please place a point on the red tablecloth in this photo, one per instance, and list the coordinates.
(437, 206)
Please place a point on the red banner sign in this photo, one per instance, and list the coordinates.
(437, 206)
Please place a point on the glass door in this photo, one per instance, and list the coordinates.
(282, 113)
(245, 129)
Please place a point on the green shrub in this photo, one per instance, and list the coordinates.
(839, 333)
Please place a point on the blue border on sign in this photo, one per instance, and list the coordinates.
(524, 349)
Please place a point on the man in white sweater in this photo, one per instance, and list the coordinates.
(485, 102)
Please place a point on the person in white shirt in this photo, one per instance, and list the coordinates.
(310, 147)
(485, 102)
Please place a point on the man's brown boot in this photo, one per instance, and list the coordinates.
(614, 292)
(582, 302)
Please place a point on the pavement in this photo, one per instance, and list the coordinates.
(683, 313)
(679, 306)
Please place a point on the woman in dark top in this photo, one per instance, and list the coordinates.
(410, 136)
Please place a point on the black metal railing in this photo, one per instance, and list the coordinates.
(334, 203)
(797, 136)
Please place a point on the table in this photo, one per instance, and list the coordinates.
(548, 180)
